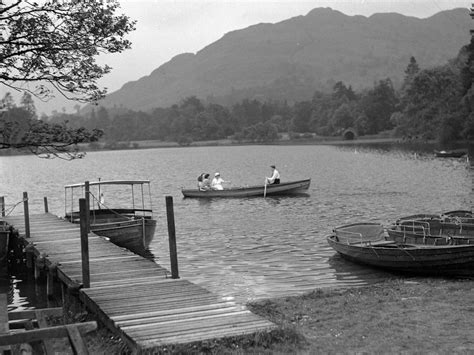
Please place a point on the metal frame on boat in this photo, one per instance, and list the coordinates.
(283, 188)
(128, 224)
(449, 228)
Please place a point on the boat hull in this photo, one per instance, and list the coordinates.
(121, 227)
(409, 258)
(252, 191)
(135, 235)
(450, 153)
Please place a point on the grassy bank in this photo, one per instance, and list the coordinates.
(400, 315)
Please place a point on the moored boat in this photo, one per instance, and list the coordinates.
(126, 221)
(449, 228)
(457, 153)
(378, 251)
(283, 188)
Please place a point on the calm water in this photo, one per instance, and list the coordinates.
(256, 248)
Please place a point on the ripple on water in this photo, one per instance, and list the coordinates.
(255, 248)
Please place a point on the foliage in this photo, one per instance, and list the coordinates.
(430, 105)
(57, 42)
(53, 45)
(20, 129)
(435, 103)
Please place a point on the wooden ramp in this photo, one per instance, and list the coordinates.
(132, 295)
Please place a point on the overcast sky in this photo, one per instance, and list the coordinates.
(166, 28)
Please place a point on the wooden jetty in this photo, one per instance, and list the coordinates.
(133, 296)
(37, 340)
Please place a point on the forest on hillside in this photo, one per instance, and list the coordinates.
(431, 104)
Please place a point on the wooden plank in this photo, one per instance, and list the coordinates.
(77, 342)
(48, 345)
(193, 325)
(4, 328)
(104, 259)
(179, 311)
(121, 310)
(74, 239)
(199, 336)
(31, 314)
(46, 333)
(35, 346)
(143, 321)
(168, 309)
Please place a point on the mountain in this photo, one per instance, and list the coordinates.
(293, 58)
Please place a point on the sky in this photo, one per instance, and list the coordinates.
(166, 28)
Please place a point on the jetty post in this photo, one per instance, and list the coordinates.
(172, 238)
(46, 209)
(88, 205)
(2, 205)
(86, 278)
(27, 214)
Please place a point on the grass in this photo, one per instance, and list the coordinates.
(400, 315)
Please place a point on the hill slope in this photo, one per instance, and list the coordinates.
(293, 58)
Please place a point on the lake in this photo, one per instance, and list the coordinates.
(253, 248)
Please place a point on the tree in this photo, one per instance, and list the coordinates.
(378, 105)
(342, 118)
(430, 105)
(302, 116)
(58, 42)
(54, 45)
(411, 70)
(28, 104)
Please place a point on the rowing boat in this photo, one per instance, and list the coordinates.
(449, 228)
(458, 153)
(283, 188)
(352, 242)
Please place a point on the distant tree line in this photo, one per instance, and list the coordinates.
(434, 103)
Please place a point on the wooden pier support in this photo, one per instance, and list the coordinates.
(27, 214)
(172, 238)
(2, 205)
(30, 256)
(37, 271)
(87, 206)
(84, 213)
(46, 209)
(52, 271)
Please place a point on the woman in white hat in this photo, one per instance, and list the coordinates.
(217, 182)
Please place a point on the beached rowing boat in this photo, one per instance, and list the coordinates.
(367, 244)
(283, 188)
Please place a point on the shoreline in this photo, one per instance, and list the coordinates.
(154, 144)
(137, 145)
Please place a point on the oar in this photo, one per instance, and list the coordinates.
(265, 189)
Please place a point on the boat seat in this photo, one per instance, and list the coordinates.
(374, 243)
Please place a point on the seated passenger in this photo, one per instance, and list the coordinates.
(217, 182)
(206, 183)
